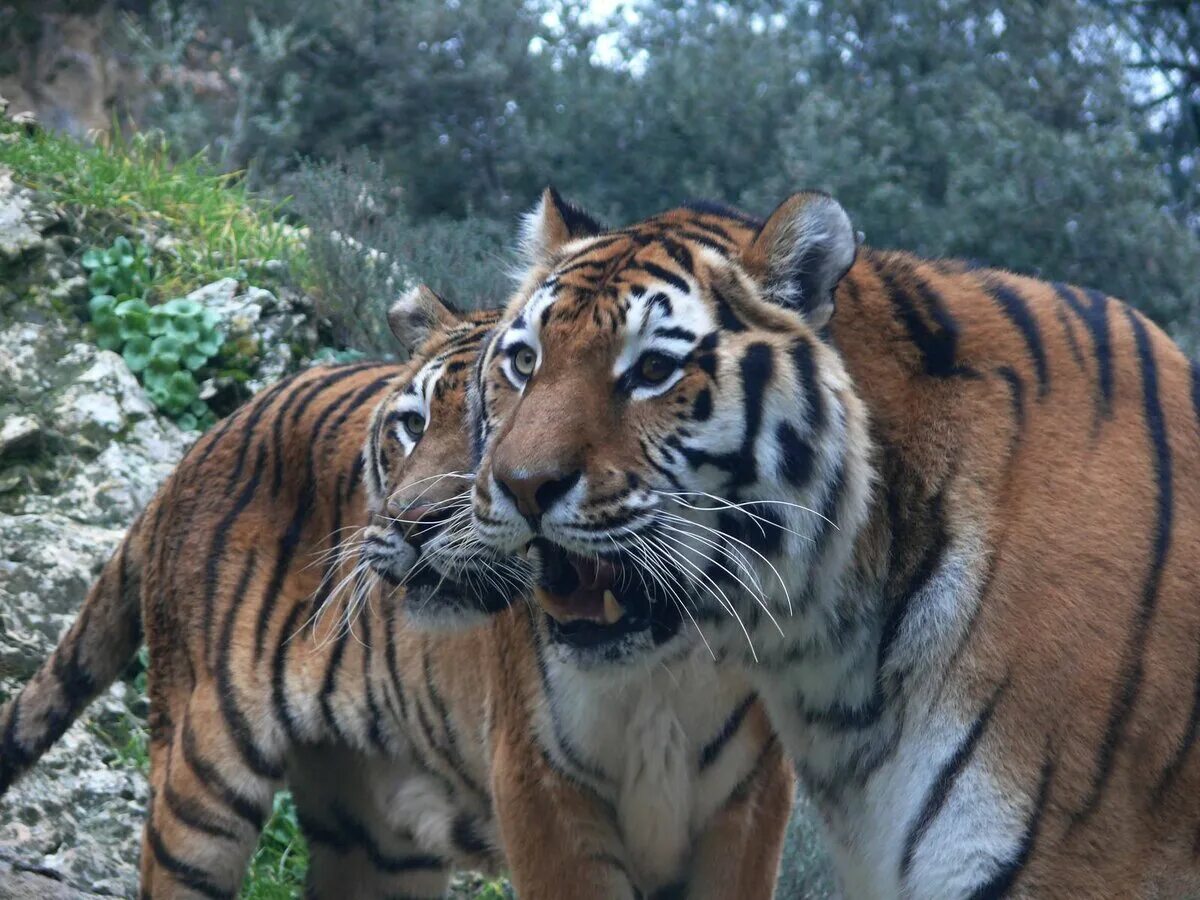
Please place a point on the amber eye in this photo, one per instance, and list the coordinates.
(414, 424)
(523, 361)
(655, 368)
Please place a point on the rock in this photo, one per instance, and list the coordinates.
(17, 220)
(804, 869)
(262, 327)
(17, 432)
(31, 883)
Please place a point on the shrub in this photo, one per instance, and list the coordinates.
(364, 248)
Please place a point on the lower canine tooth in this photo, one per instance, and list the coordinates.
(612, 609)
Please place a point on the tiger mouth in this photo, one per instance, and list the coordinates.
(592, 600)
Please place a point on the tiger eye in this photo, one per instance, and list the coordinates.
(655, 368)
(414, 424)
(524, 361)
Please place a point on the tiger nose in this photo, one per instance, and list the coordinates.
(534, 493)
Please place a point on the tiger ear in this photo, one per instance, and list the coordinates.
(805, 248)
(552, 223)
(417, 314)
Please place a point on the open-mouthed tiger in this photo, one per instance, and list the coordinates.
(664, 783)
(278, 657)
(944, 517)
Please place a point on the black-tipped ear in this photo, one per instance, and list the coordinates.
(802, 252)
(417, 314)
(552, 223)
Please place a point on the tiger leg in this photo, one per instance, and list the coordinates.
(560, 840)
(207, 807)
(737, 854)
(342, 800)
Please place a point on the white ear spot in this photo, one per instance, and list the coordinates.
(417, 314)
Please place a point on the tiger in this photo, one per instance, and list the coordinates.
(285, 652)
(942, 517)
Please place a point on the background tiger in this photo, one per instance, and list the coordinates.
(949, 531)
(275, 658)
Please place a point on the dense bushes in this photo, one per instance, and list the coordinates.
(1010, 132)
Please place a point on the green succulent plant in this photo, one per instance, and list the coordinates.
(164, 345)
(122, 271)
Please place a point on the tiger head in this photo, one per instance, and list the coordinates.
(668, 438)
(418, 463)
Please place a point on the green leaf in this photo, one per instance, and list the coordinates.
(184, 328)
(134, 317)
(99, 282)
(137, 352)
(209, 346)
(93, 259)
(158, 321)
(122, 246)
(164, 365)
(101, 306)
(187, 421)
(110, 258)
(183, 387)
(159, 394)
(168, 349)
(194, 360)
(198, 407)
(181, 306)
(210, 320)
(108, 334)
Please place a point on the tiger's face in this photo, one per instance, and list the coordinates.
(656, 406)
(418, 464)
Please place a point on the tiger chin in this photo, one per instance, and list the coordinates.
(942, 517)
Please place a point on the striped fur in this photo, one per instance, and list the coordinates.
(279, 658)
(949, 534)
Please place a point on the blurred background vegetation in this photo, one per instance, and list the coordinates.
(1055, 137)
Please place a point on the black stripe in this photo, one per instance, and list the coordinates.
(1187, 741)
(661, 274)
(239, 725)
(190, 876)
(374, 735)
(938, 349)
(305, 505)
(1001, 883)
(1131, 670)
(215, 560)
(806, 375)
(947, 776)
(1016, 389)
(795, 456)
(216, 784)
(193, 814)
(453, 756)
(712, 750)
(1014, 306)
(1094, 315)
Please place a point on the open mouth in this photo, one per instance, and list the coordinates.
(592, 600)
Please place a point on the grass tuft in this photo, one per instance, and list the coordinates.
(207, 224)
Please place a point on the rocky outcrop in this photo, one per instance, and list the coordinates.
(82, 450)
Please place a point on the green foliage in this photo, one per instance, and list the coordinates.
(212, 225)
(278, 866)
(123, 270)
(365, 248)
(164, 345)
